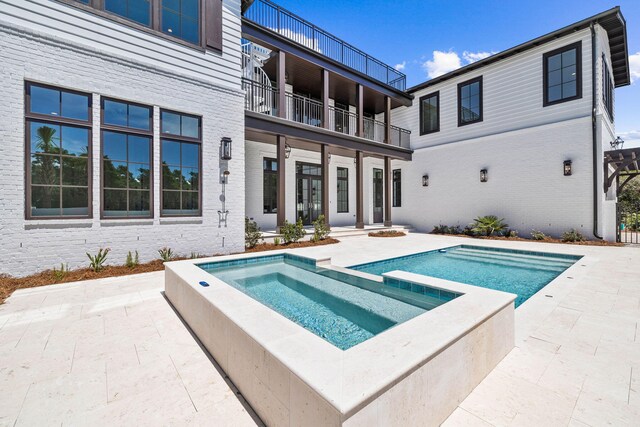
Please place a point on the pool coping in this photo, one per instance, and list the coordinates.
(368, 369)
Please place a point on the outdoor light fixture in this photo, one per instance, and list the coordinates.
(617, 144)
(425, 180)
(225, 148)
(484, 176)
(567, 168)
(287, 151)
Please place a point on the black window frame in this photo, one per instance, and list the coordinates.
(126, 130)
(272, 173)
(344, 191)
(209, 21)
(481, 101)
(436, 95)
(59, 121)
(396, 179)
(187, 140)
(608, 87)
(545, 73)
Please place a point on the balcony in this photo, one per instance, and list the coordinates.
(269, 15)
(263, 98)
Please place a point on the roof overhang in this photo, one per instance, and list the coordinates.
(611, 21)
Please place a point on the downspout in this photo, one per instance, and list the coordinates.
(594, 133)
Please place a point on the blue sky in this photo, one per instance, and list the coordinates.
(430, 36)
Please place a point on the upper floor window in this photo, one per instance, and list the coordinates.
(470, 101)
(430, 113)
(607, 88)
(181, 163)
(270, 186)
(343, 190)
(136, 10)
(58, 134)
(562, 74)
(397, 188)
(181, 18)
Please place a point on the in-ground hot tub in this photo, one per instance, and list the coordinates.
(308, 343)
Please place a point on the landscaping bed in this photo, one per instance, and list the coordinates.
(387, 233)
(262, 247)
(546, 240)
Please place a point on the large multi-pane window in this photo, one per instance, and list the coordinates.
(562, 74)
(343, 190)
(127, 134)
(181, 162)
(430, 113)
(607, 88)
(270, 185)
(470, 101)
(181, 18)
(397, 188)
(58, 133)
(135, 10)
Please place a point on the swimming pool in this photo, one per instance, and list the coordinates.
(343, 309)
(520, 272)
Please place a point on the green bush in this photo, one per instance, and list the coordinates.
(572, 235)
(132, 260)
(166, 254)
(96, 262)
(292, 232)
(538, 235)
(252, 233)
(276, 241)
(631, 221)
(445, 229)
(59, 275)
(489, 225)
(321, 229)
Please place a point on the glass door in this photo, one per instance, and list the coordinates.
(309, 192)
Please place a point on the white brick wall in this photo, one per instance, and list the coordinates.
(29, 246)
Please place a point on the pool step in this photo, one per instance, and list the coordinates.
(506, 263)
(510, 256)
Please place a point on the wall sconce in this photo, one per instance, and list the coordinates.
(287, 151)
(425, 180)
(567, 168)
(484, 175)
(225, 148)
(617, 144)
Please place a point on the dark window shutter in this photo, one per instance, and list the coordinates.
(213, 24)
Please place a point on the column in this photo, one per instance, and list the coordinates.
(281, 81)
(360, 107)
(387, 192)
(324, 151)
(281, 181)
(387, 120)
(359, 190)
(326, 123)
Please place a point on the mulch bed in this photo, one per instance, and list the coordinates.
(8, 284)
(387, 233)
(547, 240)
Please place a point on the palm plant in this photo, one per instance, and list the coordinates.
(488, 225)
(46, 172)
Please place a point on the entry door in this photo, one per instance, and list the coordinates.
(309, 192)
(378, 195)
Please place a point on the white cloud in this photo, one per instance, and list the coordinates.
(401, 66)
(634, 66)
(630, 138)
(444, 62)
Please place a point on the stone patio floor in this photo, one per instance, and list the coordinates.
(113, 351)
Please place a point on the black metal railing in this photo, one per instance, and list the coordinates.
(342, 121)
(277, 19)
(400, 137)
(304, 110)
(373, 129)
(628, 224)
(260, 98)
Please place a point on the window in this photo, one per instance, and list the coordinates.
(270, 185)
(397, 188)
(343, 190)
(562, 74)
(127, 134)
(181, 158)
(58, 134)
(180, 20)
(470, 101)
(607, 88)
(430, 113)
(135, 10)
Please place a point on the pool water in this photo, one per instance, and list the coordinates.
(520, 272)
(342, 309)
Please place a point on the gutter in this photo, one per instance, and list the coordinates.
(594, 132)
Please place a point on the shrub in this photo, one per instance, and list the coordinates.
(166, 254)
(538, 235)
(276, 241)
(468, 231)
(252, 233)
(321, 229)
(488, 225)
(59, 275)
(132, 260)
(195, 255)
(572, 235)
(511, 233)
(96, 262)
(292, 232)
(445, 229)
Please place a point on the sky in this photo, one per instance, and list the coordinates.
(426, 38)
